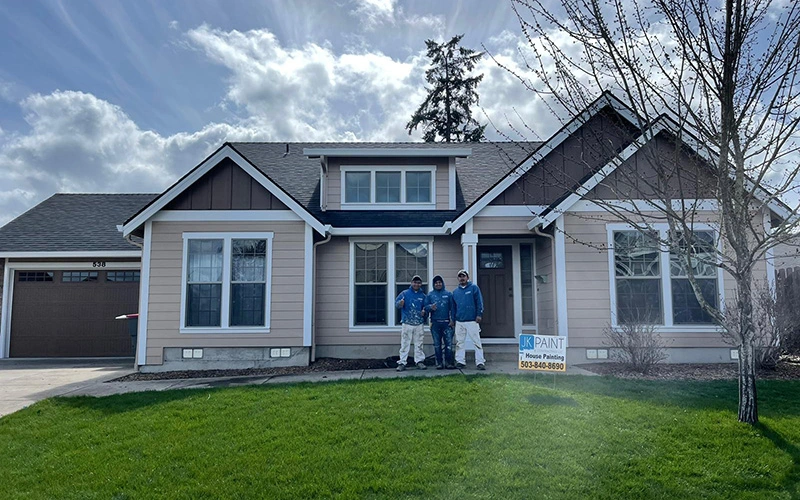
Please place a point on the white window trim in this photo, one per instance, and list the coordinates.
(403, 169)
(390, 281)
(226, 283)
(666, 279)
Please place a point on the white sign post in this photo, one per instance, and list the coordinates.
(545, 353)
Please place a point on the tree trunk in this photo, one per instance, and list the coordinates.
(748, 402)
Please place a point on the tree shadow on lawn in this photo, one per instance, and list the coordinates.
(122, 403)
(776, 398)
(792, 478)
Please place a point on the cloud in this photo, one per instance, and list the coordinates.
(310, 93)
(374, 13)
(79, 143)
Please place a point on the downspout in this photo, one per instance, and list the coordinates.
(552, 239)
(313, 353)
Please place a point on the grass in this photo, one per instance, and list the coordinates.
(443, 437)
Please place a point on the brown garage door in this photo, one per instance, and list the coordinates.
(71, 313)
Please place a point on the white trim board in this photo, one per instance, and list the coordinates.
(64, 255)
(144, 295)
(226, 151)
(387, 152)
(8, 288)
(308, 284)
(225, 216)
(607, 99)
(389, 231)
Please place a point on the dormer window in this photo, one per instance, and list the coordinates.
(388, 187)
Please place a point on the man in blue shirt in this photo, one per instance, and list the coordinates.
(437, 304)
(411, 302)
(468, 309)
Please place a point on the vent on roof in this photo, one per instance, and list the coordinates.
(287, 150)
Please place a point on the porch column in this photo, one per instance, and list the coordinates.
(469, 244)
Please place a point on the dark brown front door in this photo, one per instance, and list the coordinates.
(495, 281)
(71, 313)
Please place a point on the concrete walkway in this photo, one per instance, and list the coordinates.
(23, 385)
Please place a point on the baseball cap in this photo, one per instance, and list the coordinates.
(416, 278)
(464, 272)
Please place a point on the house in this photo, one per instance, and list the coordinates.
(269, 254)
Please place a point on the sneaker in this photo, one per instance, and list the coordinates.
(401, 367)
(421, 366)
(439, 366)
(450, 366)
(480, 367)
(460, 366)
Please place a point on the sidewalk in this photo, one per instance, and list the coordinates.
(109, 388)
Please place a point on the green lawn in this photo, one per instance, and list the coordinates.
(443, 437)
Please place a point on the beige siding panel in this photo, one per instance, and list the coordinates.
(502, 225)
(544, 291)
(333, 292)
(286, 323)
(442, 188)
(588, 285)
(334, 187)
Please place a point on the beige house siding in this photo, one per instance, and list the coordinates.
(332, 321)
(510, 225)
(544, 291)
(441, 177)
(589, 291)
(166, 264)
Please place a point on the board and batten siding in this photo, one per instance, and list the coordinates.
(589, 288)
(166, 264)
(333, 296)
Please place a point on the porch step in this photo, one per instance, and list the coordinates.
(496, 352)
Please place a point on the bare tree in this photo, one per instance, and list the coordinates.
(716, 84)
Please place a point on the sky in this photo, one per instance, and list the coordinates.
(128, 95)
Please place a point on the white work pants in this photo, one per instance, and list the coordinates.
(472, 330)
(408, 334)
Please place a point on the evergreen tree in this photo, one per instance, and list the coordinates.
(446, 112)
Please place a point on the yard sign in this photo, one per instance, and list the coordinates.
(543, 353)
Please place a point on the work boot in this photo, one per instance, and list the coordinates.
(401, 367)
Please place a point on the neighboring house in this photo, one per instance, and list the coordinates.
(272, 254)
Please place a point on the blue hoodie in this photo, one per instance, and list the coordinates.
(442, 298)
(467, 302)
(413, 309)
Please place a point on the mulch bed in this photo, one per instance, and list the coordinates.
(787, 369)
(320, 365)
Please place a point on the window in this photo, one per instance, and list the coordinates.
(27, 276)
(123, 276)
(78, 276)
(387, 187)
(527, 281)
(686, 308)
(638, 277)
(380, 271)
(226, 284)
(651, 283)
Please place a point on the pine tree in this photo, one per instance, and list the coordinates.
(446, 112)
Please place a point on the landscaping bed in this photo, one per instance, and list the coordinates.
(787, 369)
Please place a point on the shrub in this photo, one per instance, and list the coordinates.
(637, 346)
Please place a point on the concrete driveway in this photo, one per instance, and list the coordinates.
(24, 382)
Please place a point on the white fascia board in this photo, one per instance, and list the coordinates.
(60, 255)
(225, 152)
(544, 150)
(225, 215)
(387, 152)
(389, 231)
(510, 210)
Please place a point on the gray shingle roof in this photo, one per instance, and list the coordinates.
(73, 223)
(299, 175)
